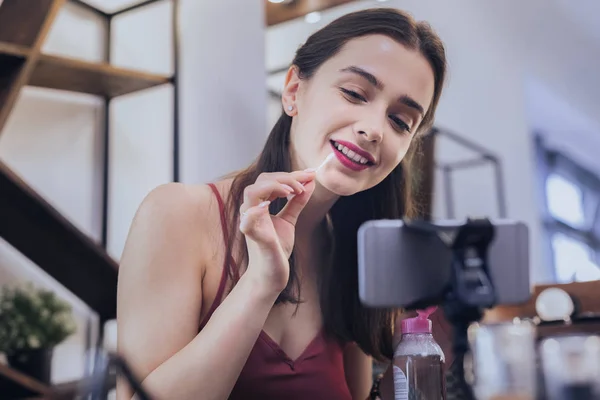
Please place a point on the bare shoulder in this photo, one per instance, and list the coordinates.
(175, 203)
(174, 218)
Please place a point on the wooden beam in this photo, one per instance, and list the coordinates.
(37, 230)
(21, 21)
(93, 78)
(25, 23)
(10, 68)
(277, 13)
(11, 49)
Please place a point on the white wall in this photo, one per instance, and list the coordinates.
(52, 139)
(223, 96)
(563, 126)
(222, 100)
(492, 48)
(141, 127)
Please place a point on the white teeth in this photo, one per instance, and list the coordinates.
(350, 154)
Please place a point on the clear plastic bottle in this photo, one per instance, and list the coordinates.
(419, 361)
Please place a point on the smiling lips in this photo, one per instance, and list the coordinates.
(352, 156)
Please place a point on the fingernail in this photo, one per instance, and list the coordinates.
(291, 196)
(310, 170)
(264, 203)
(287, 187)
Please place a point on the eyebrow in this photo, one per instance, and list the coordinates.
(367, 75)
(410, 102)
(372, 79)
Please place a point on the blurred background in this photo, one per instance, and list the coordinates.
(103, 100)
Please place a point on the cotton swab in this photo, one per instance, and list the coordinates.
(327, 159)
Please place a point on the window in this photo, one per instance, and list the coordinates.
(564, 200)
(571, 217)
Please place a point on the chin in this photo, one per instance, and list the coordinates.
(339, 187)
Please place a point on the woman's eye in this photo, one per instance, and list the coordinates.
(399, 124)
(353, 95)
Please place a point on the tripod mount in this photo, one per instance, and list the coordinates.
(470, 289)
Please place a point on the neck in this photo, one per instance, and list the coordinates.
(312, 241)
(313, 214)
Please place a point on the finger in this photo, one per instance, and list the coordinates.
(251, 220)
(266, 187)
(296, 204)
(249, 217)
(303, 177)
(296, 179)
(264, 191)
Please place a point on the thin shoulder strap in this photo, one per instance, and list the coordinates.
(223, 282)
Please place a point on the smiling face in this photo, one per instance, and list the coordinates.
(365, 104)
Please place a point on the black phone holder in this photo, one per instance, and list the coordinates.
(469, 291)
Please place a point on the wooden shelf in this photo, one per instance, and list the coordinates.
(10, 49)
(85, 77)
(21, 21)
(585, 295)
(578, 328)
(16, 385)
(32, 226)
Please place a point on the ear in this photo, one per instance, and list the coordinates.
(290, 91)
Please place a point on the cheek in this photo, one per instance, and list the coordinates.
(396, 150)
(325, 112)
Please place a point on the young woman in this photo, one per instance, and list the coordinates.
(247, 288)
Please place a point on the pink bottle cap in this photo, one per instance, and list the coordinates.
(419, 324)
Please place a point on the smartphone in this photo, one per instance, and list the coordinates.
(401, 267)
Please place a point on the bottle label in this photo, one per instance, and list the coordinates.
(400, 384)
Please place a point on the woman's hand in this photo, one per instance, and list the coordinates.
(270, 238)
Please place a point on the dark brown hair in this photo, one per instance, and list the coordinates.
(343, 314)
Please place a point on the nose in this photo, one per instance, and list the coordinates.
(371, 128)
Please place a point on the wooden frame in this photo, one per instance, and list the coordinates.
(277, 13)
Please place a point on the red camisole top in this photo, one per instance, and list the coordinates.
(318, 373)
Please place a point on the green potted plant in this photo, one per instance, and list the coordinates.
(32, 322)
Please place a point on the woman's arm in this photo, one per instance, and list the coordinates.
(359, 371)
(160, 298)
